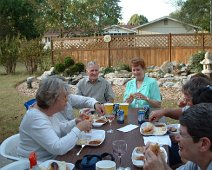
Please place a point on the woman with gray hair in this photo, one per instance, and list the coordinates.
(42, 130)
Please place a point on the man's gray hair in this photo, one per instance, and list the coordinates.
(91, 63)
(49, 90)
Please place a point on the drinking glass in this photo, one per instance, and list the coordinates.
(119, 149)
(110, 118)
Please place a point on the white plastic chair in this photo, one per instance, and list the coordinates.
(19, 165)
(8, 148)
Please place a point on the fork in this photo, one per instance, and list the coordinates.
(80, 150)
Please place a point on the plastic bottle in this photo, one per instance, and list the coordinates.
(33, 161)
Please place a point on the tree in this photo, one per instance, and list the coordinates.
(18, 17)
(84, 15)
(9, 53)
(196, 12)
(32, 54)
(137, 20)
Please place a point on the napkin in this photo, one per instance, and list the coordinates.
(161, 140)
(127, 128)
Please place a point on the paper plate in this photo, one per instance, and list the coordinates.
(158, 129)
(46, 164)
(93, 135)
(175, 126)
(137, 158)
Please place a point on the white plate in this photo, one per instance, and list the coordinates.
(94, 134)
(46, 164)
(177, 126)
(140, 163)
(97, 124)
(158, 131)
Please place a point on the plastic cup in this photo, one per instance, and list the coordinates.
(108, 108)
(106, 165)
(124, 107)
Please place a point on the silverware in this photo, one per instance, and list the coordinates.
(80, 150)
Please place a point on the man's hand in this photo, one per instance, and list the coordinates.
(99, 108)
(152, 161)
(156, 115)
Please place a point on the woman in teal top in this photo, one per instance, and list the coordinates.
(142, 90)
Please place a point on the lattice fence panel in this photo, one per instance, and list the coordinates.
(208, 40)
(186, 40)
(152, 41)
(79, 43)
(139, 41)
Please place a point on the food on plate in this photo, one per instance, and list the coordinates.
(140, 149)
(139, 158)
(149, 129)
(94, 142)
(54, 166)
(82, 141)
(159, 125)
(155, 148)
(101, 121)
(172, 129)
(57, 166)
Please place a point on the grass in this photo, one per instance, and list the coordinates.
(11, 102)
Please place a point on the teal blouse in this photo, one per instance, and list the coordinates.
(149, 88)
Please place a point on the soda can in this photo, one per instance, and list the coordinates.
(147, 111)
(115, 108)
(120, 116)
(141, 116)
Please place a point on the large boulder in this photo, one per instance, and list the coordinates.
(167, 67)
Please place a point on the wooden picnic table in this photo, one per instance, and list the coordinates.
(133, 139)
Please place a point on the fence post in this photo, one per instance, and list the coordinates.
(170, 46)
(108, 57)
(203, 45)
(52, 52)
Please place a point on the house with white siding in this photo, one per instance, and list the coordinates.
(119, 30)
(166, 25)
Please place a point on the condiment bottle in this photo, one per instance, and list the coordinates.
(33, 161)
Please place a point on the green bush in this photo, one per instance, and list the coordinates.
(194, 62)
(124, 67)
(71, 70)
(59, 68)
(81, 67)
(68, 61)
(108, 70)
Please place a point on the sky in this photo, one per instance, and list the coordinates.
(151, 9)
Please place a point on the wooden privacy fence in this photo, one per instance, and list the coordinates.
(155, 49)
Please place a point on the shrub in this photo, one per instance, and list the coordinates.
(124, 67)
(71, 70)
(59, 68)
(194, 62)
(108, 70)
(68, 61)
(9, 53)
(81, 67)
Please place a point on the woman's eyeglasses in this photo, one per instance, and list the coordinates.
(209, 87)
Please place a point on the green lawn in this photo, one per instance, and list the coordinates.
(11, 102)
